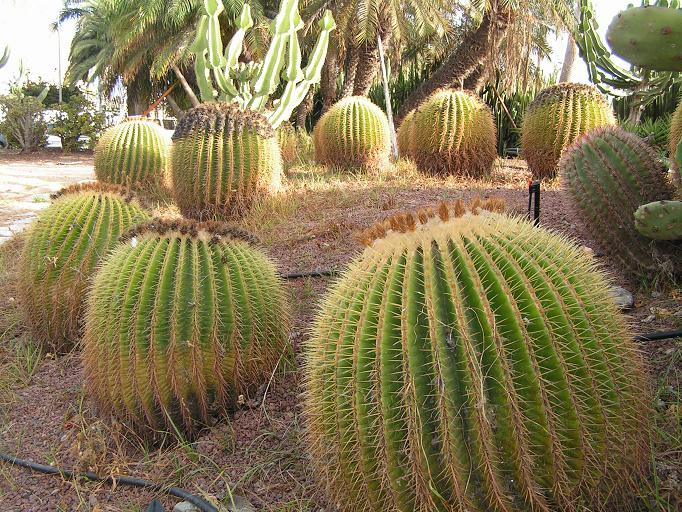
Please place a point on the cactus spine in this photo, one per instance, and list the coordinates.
(473, 363)
(609, 173)
(182, 318)
(134, 152)
(660, 220)
(648, 37)
(353, 133)
(63, 248)
(453, 132)
(405, 135)
(557, 117)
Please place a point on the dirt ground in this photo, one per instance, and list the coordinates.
(259, 453)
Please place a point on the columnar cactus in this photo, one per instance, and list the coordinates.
(609, 173)
(557, 117)
(222, 159)
(473, 362)
(182, 319)
(405, 135)
(648, 37)
(453, 132)
(134, 152)
(660, 220)
(353, 133)
(674, 143)
(63, 248)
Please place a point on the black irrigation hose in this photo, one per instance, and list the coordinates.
(660, 335)
(202, 504)
(314, 273)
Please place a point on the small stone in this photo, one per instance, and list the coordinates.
(185, 506)
(239, 504)
(678, 314)
(656, 295)
(648, 319)
(623, 298)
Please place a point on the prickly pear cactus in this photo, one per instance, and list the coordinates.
(660, 220)
(473, 362)
(405, 135)
(222, 159)
(609, 173)
(453, 133)
(649, 37)
(673, 144)
(556, 118)
(353, 133)
(134, 152)
(182, 318)
(63, 248)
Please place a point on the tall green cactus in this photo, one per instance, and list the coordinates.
(222, 160)
(63, 248)
(134, 152)
(674, 143)
(353, 133)
(660, 220)
(558, 116)
(609, 173)
(453, 132)
(182, 318)
(478, 363)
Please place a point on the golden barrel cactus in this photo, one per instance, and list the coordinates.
(405, 135)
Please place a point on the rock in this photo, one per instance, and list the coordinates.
(624, 299)
(239, 504)
(185, 506)
(678, 314)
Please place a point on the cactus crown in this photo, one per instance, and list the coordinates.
(212, 231)
(257, 81)
(97, 187)
(557, 92)
(227, 117)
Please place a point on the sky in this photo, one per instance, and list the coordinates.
(25, 27)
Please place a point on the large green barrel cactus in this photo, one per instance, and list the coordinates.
(473, 363)
(660, 220)
(134, 152)
(63, 248)
(556, 118)
(453, 132)
(405, 135)
(182, 318)
(223, 158)
(353, 133)
(609, 173)
(674, 141)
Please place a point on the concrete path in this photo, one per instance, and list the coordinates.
(26, 182)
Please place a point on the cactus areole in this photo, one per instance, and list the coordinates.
(473, 362)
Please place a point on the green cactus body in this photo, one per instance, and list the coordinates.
(674, 141)
(474, 363)
(134, 152)
(353, 133)
(63, 248)
(453, 132)
(660, 220)
(609, 173)
(182, 318)
(649, 37)
(557, 117)
(222, 159)
(404, 135)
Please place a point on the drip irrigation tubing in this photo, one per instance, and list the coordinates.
(202, 504)
(314, 273)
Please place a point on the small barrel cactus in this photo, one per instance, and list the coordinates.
(556, 118)
(182, 318)
(63, 248)
(474, 362)
(649, 37)
(660, 220)
(405, 135)
(609, 173)
(453, 132)
(223, 158)
(134, 152)
(353, 133)
(674, 142)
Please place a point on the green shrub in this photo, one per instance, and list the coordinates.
(77, 118)
(23, 123)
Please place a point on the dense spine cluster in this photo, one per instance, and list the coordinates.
(63, 249)
(222, 159)
(182, 318)
(474, 363)
(452, 133)
(353, 133)
(134, 152)
(558, 116)
(609, 173)
(674, 141)
(405, 136)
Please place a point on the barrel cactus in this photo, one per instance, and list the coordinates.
(405, 135)
(453, 132)
(609, 173)
(63, 248)
(473, 362)
(353, 133)
(674, 142)
(134, 152)
(556, 118)
(660, 220)
(182, 318)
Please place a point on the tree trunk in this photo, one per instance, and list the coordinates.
(185, 85)
(179, 113)
(330, 73)
(134, 103)
(462, 62)
(350, 70)
(304, 109)
(571, 53)
(475, 80)
(368, 62)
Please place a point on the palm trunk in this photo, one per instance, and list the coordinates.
(368, 62)
(304, 109)
(570, 54)
(179, 113)
(330, 73)
(185, 85)
(464, 60)
(350, 70)
(475, 80)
